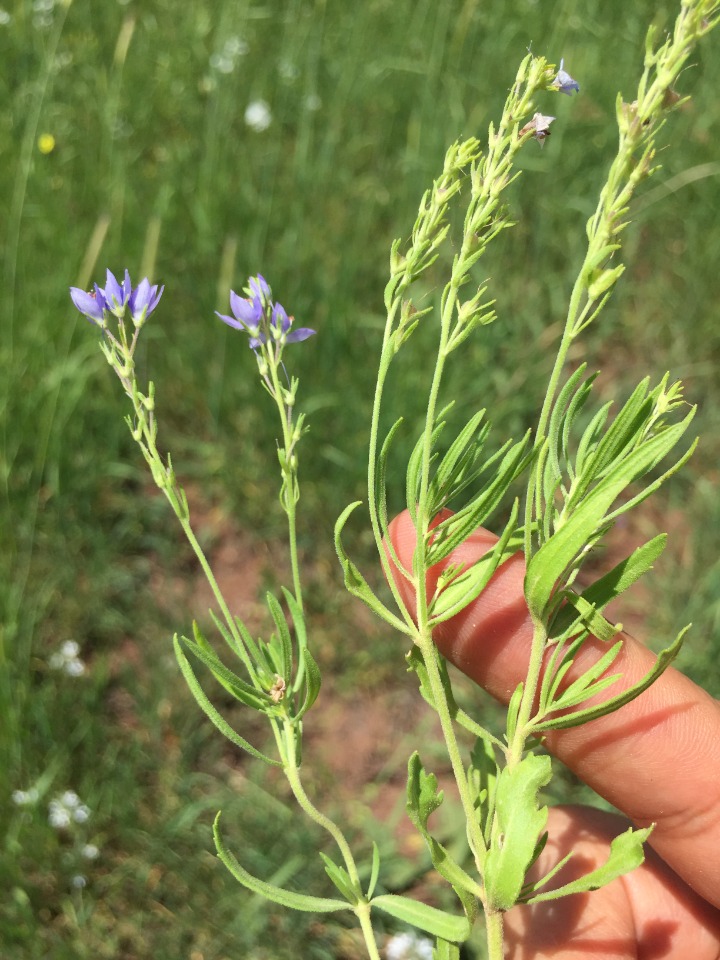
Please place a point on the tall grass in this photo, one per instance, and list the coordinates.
(155, 168)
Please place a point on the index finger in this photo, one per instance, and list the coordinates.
(657, 759)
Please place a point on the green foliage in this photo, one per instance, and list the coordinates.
(518, 830)
(626, 853)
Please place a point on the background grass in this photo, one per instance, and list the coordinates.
(154, 168)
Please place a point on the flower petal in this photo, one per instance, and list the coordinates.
(564, 83)
(302, 333)
(280, 319)
(113, 293)
(89, 304)
(259, 287)
(232, 322)
(249, 312)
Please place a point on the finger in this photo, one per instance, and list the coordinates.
(650, 912)
(656, 759)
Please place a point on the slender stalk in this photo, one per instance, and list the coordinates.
(494, 922)
(362, 911)
(385, 560)
(292, 771)
(289, 481)
(220, 599)
(475, 834)
(537, 650)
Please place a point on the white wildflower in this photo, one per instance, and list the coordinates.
(258, 116)
(67, 659)
(67, 809)
(408, 946)
(25, 798)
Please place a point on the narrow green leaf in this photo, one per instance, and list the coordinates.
(356, 584)
(589, 677)
(551, 561)
(341, 879)
(420, 915)
(626, 853)
(242, 649)
(519, 825)
(591, 436)
(286, 898)
(622, 576)
(620, 437)
(456, 528)
(459, 467)
(482, 778)
(374, 870)
(298, 618)
(665, 658)
(470, 583)
(236, 686)
(656, 484)
(209, 710)
(513, 710)
(561, 659)
(312, 680)
(467, 889)
(284, 666)
(558, 419)
(590, 618)
(444, 950)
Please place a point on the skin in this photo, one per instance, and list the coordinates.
(657, 760)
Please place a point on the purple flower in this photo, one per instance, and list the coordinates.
(99, 304)
(262, 319)
(143, 300)
(564, 83)
(115, 294)
(91, 305)
(248, 314)
(258, 287)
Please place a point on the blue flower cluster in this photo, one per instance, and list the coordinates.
(262, 319)
(115, 298)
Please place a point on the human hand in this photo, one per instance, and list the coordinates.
(657, 760)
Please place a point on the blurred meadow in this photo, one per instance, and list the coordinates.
(198, 143)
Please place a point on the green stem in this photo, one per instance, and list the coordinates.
(173, 494)
(290, 481)
(537, 650)
(475, 834)
(386, 355)
(210, 577)
(425, 641)
(292, 772)
(494, 930)
(362, 911)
